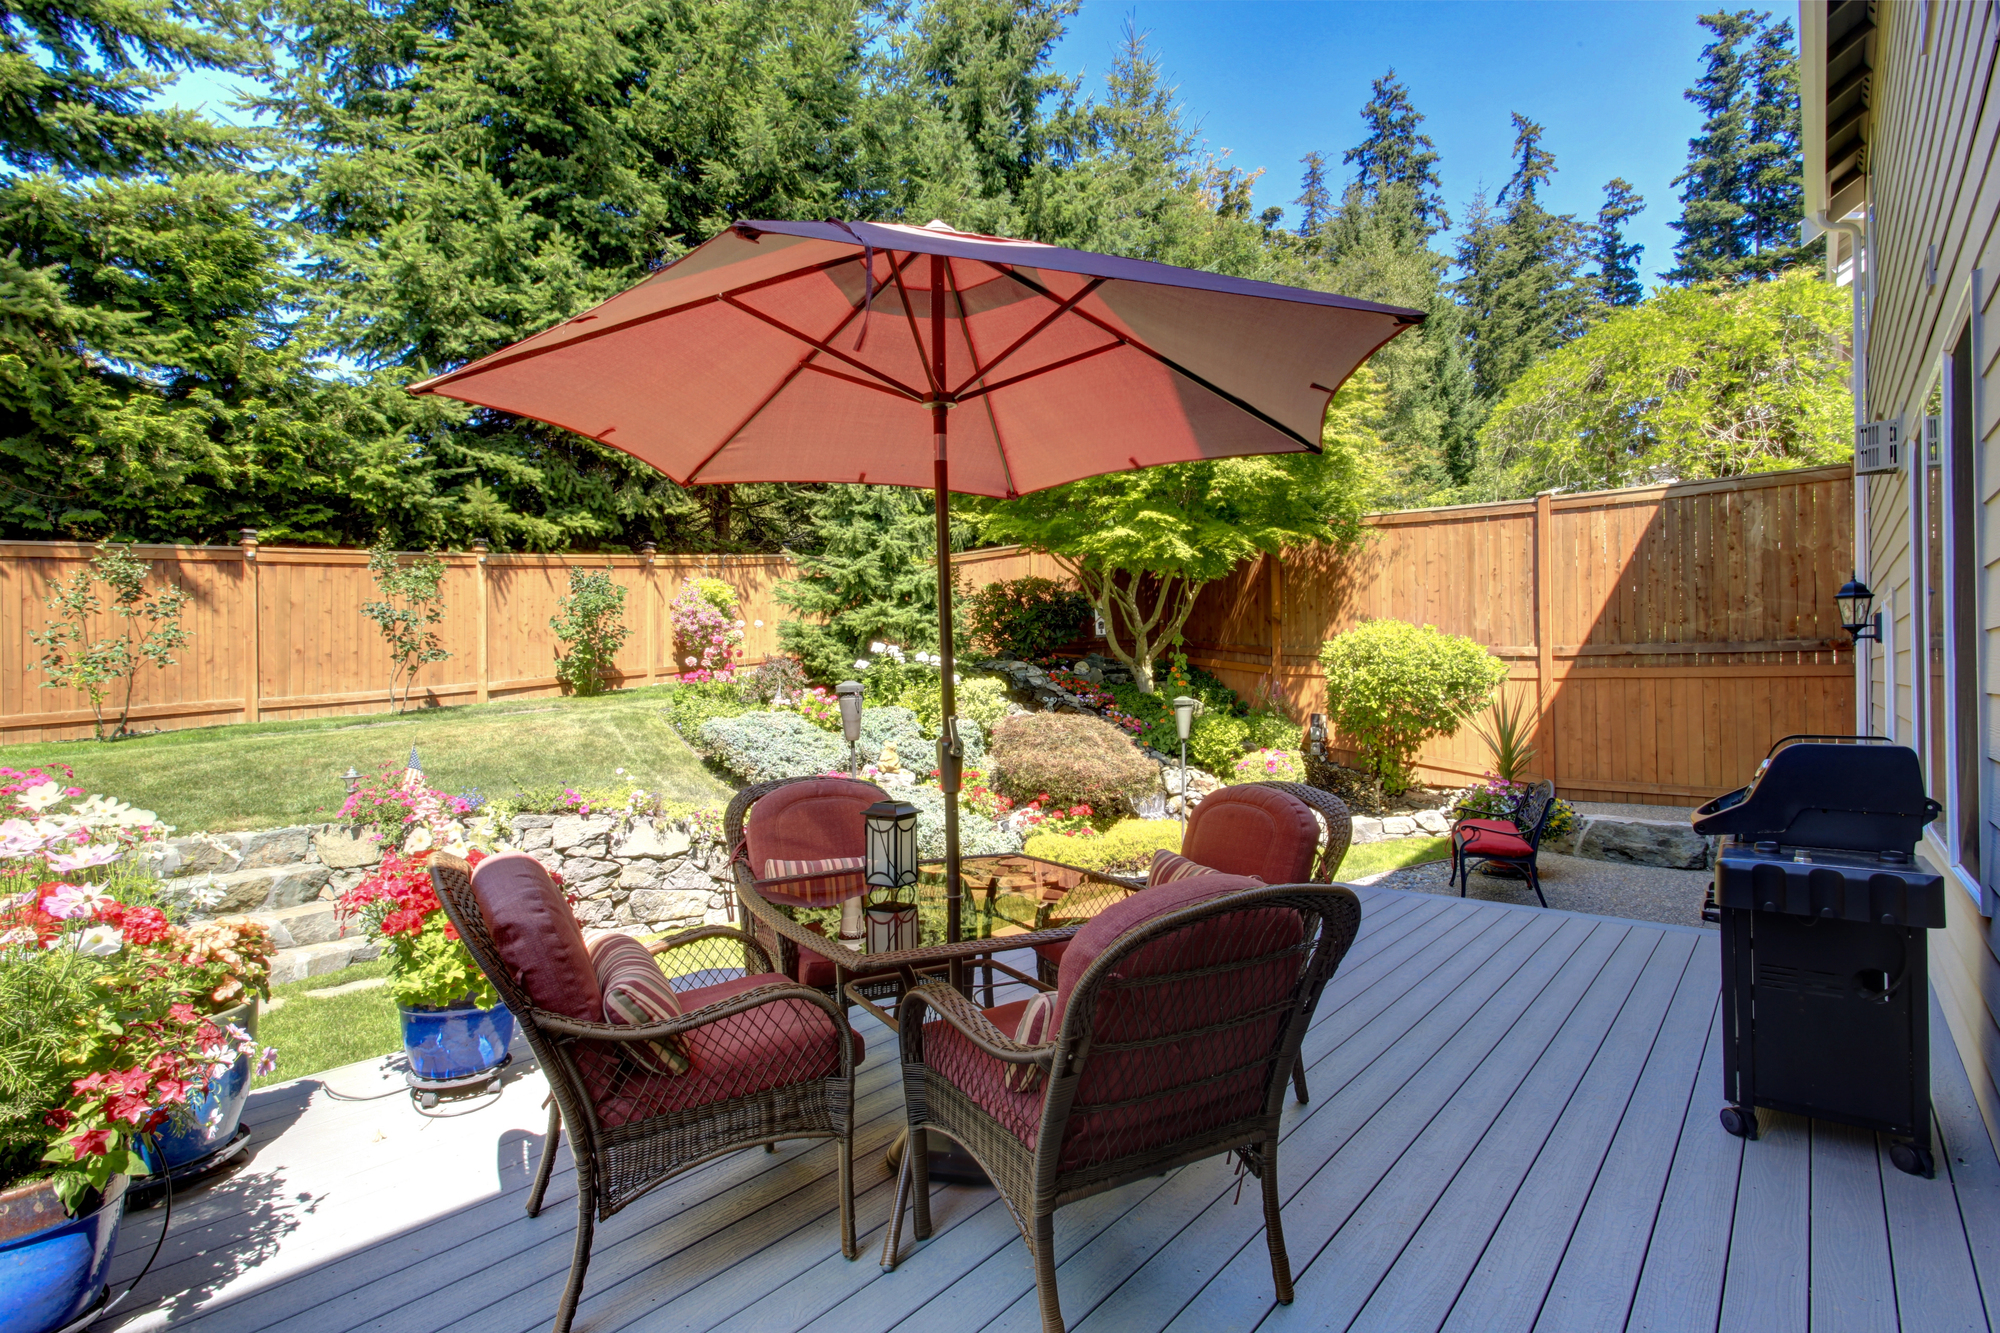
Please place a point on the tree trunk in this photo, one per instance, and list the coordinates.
(721, 503)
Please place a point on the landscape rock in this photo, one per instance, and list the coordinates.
(346, 848)
(640, 876)
(652, 905)
(272, 847)
(254, 890)
(1367, 828)
(1639, 842)
(577, 832)
(1431, 821)
(644, 840)
(1399, 826)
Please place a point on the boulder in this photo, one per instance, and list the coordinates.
(577, 833)
(1367, 828)
(1432, 821)
(258, 889)
(346, 847)
(667, 904)
(644, 840)
(1399, 826)
(641, 875)
(272, 847)
(1643, 843)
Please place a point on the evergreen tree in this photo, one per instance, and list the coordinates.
(1774, 201)
(1315, 203)
(1741, 192)
(871, 578)
(1617, 261)
(1394, 153)
(1521, 284)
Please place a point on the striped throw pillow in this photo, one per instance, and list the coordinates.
(834, 879)
(1170, 866)
(635, 993)
(1037, 1025)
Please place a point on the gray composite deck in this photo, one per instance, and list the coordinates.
(1512, 1126)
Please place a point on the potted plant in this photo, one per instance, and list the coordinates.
(454, 1027)
(100, 1016)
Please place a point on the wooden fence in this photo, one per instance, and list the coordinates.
(278, 632)
(1666, 634)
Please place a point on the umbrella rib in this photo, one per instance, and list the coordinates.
(1311, 446)
(498, 359)
(972, 356)
(910, 316)
(981, 372)
(804, 363)
(862, 366)
(1041, 370)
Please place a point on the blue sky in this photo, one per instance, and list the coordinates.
(1272, 80)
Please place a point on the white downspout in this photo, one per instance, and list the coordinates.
(1863, 283)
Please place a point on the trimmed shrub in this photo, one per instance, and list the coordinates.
(1075, 758)
(695, 702)
(915, 750)
(590, 625)
(1025, 618)
(1126, 848)
(1391, 686)
(983, 699)
(977, 835)
(775, 677)
(1215, 742)
(1275, 731)
(763, 747)
(1269, 766)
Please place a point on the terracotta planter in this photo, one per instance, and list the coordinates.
(52, 1264)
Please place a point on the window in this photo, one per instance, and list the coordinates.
(1947, 637)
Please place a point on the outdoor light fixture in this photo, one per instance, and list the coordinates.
(352, 779)
(1855, 601)
(1316, 736)
(891, 866)
(850, 719)
(1184, 711)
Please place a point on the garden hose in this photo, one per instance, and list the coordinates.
(98, 1312)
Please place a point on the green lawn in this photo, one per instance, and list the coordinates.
(264, 774)
(1369, 858)
(312, 1033)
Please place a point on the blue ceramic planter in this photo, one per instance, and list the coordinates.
(50, 1277)
(455, 1042)
(217, 1111)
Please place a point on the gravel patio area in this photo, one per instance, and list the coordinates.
(1600, 888)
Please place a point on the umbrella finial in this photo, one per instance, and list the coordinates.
(939, 224)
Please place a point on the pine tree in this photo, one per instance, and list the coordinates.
(870, 579)
(1394, 153)
(1774, 201)
(1618, 262)
(1716, 180)
(1315, 203)
(1521, 280)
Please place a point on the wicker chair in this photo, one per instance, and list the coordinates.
(1180, 1015)
(1231, 832)
(772, 1060)
(1515, 842)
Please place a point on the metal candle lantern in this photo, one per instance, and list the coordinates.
(889, 867)
(849, 692)
(1184, 711)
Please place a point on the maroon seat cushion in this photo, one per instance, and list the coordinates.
(770, 1046)
(1488, 826)
(1483, 843)
(809, 821)
(538, 941)
(1135, 1016)
(1252, 830)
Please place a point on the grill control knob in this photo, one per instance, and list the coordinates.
(1766, 849)
(1893, 858)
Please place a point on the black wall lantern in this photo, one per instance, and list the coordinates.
(1856, 601)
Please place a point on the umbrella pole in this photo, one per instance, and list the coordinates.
(950, 752)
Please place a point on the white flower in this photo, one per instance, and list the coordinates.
(760, 624)
(860, 664)
(691, 661)
(39, 798)
(84, 857)
(19, 838)
(109, 810)
(739, 624)
(876, 648)
(208, 895)
(619, 771)
(99, 942)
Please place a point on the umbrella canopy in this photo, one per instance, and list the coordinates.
(923, 356)
(819, 351)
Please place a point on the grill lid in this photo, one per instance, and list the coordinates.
(1816, 793)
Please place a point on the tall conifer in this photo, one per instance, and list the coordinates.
(1617, 260)
(1395, 152)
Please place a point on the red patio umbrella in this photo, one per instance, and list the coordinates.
(840, 351)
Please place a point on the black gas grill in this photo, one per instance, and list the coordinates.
(1825, 965)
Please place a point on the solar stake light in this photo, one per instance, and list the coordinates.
(889, 867)
(1184, 711)
(1316, 736)
(352, 779)
(849, 692)
(1856, 600)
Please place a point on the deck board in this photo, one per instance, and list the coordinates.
(1512, 1126)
